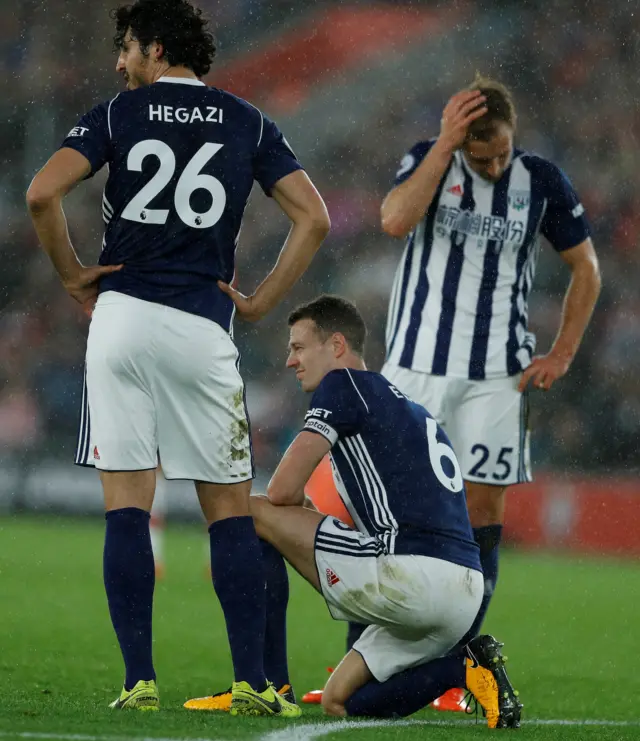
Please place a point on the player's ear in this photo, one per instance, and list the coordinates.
(339, 344)
(158, 51)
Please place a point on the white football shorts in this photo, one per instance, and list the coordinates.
(163, 383)
(486, 421)
(417, 608)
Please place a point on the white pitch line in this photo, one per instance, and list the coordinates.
(587, 722)
(312, 731)
(309, 731)
(82, 737)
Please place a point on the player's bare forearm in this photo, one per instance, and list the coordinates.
(44, 201)
(51, 227)
(287, 484)
(579, 302)
(301, 202)
(302, 243)
(284, 497)
(407, 203)
(65, 169)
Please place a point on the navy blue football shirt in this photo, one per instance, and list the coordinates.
(182, 160)
(394, 467)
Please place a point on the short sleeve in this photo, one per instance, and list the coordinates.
(337, 409)
(91, 137)
(409, 163)
(274, 159)
(564, 223)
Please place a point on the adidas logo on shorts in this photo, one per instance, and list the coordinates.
(332, 578)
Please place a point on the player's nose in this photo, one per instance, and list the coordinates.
(292, 361)
(120, 67)
(493, 170)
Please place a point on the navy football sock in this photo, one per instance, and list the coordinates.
(488, 538)
(238, 578)
(275, 646)
(409, 691)
(129, 580)
(354, 632)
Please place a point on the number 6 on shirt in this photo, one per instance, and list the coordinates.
(438, 451)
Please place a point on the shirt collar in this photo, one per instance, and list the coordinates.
(180, 80)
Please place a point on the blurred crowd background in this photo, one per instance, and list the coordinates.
(573, 67)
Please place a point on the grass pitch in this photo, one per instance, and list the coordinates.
(570, 628)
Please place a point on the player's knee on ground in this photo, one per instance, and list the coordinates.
(351, 674)
(332, 706)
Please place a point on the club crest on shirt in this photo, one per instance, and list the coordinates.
(519, 199)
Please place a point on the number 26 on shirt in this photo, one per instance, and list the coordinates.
(190, 180)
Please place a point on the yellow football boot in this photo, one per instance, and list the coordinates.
(219, 701)
(246, 701)
(222, 700)
(143, 696)
(487, 680)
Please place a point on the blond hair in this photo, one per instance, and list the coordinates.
(499, 104)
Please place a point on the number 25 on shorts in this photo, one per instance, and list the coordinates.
(502, 461)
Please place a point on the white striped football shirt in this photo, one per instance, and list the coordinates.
(458, 305)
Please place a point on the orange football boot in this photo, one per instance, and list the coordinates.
(453, 700)
(314, 697)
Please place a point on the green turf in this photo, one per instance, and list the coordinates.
(569, 626)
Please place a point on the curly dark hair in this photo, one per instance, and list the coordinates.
(176, 24)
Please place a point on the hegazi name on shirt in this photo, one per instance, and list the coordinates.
(171, 114)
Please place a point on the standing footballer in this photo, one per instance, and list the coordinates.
(161, 370)
(472, 209)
